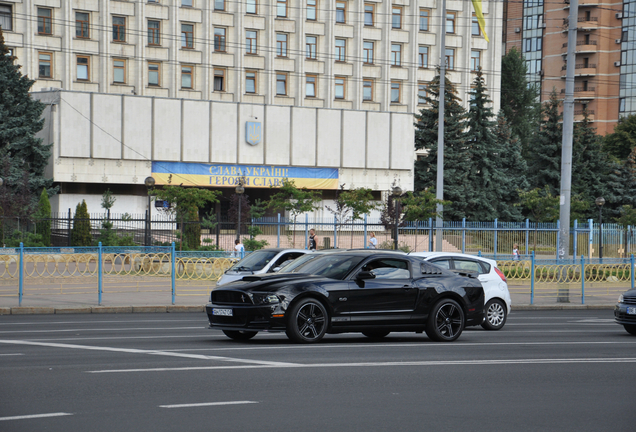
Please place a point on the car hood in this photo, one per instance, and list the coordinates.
(272, 282)
(630, 294)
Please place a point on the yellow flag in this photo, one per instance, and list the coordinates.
(480, 18)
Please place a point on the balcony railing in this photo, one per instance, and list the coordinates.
(587, 19)
(581, 89)
(581, 112)
(582, 42)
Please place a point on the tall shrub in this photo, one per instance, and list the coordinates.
(81, 235)
(43, 218)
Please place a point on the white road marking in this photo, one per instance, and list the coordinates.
(163, 321)
(104, 329)
(16, 354)
(140, 351)
(34, 416)
(208, 404)
(383, 364)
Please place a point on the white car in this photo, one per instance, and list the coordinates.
(259, 262)
(496, 294)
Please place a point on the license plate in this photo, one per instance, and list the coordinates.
(631, 311)
(222, 312)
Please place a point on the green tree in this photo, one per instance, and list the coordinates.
(519, 101)
(627, 216)
(545, 163)
(20, 121)
(621, 184)
(257, 210)
(43, 218)
(457, 184)
(543, 206)
(420, 206)
(294, 200)
(620, 143)
(81, 234)
(350, 206)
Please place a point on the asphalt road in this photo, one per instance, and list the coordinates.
(545, 371)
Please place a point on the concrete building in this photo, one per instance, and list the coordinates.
(323, 85)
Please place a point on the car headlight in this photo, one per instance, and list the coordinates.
(620, 298)
(265, 299)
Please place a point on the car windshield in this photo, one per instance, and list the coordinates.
(332, 266)
(254, 261)
(292, 266)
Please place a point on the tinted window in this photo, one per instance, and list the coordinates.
(443, 263)
(468, 265)
(331, 266)
(254, 261)
(388, 269)
(294, 266)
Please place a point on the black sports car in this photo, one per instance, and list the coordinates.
(371, 292)
(625, 311)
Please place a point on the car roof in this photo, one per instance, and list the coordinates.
(428, 255)
(278, 250)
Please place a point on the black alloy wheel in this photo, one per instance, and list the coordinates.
(307, 321)
(239, 334)
(446, 321)
(631, 328)
(496, 315)
(377, 334)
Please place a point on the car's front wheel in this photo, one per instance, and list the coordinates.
(496, 315)
(631, 328)
(239, 334)
(307, 321)
(446, 321)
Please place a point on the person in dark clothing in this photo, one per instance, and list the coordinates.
(312, 239)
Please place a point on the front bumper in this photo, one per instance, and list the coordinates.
(621, 316)
(247, 317)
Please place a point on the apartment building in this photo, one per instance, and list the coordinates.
(327, 79)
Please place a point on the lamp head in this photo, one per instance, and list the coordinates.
(149, 182)
(600, 201)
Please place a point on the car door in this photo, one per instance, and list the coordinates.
(388, 298)
(474, 266)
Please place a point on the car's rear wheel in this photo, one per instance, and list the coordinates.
(446, 321)
(631, 328)
(239, 334)
(496, 315)
(307, 321)
(377, 334)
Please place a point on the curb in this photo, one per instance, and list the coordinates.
(561, 307)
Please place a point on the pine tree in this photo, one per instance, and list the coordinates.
(81, 234)
(20, 121)
(620, 143)
(545, 162)
(43, 218)
(456, 163)
(621, 184)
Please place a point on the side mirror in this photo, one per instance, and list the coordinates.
(365, 275)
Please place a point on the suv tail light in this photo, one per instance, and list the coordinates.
(501, 275)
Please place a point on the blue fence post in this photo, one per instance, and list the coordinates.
(100, 270)
(527, 235)
(582, 279)
(21, 280)
(590, 223)
(364, 240)
(306, 230)
(463, 235)
(632, 269)
(495, 245)
(557, 240)
(532, 278)
(335, 232)
(430, 235)
(278, 232)
(575, 243)
(173, 262)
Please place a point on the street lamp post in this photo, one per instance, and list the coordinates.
(150, 183)
(600, 202)
(240, 190)
(396, 192)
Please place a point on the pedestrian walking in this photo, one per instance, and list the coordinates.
(312, 239)
(515, 252)
(239, 249)
(373, 242)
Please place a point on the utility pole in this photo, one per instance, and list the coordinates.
(568, 133)
(439, 188)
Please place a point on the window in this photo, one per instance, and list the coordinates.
(119, 71)
(475, 60)
(310, 42)
(187, 3)
(396, 17)
(396, 54)
(187, 36)
(367, 90)
(527, 46)
(340, 87)
(421, 93)
(83, 68)
(450, 58)
(45, 59)
(252, 7)
(6, 18)
(219, 39)
(388, 269)
(310, 85)
(154, 32)
(281, 8)
(423, 56)
(219, 5)
(281, 84)
(450, 22)
(341, 12)
(119, 29)
(186, 77)
(474, 28)
(424, 14)
(44, 21)
(395, 91)
(341, 45)
(621, 105)
(250, 82)
(624, 35)
(154, 74)
(311, 10)
(281, 44)
(367, 52)
(250, 41)
(219, 80)
(539, 43)
(369, 12)
(82, 25)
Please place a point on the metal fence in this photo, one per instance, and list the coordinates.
(494, 237)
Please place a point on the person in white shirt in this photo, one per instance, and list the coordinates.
(239, 249)
(373, 242)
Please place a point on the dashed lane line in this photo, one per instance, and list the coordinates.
(205, 404)
(35, 416)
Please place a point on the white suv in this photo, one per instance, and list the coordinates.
(496, 294)
(259, 262)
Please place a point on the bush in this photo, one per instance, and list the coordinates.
(29, 240)
(81, 234)
(43, 218)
